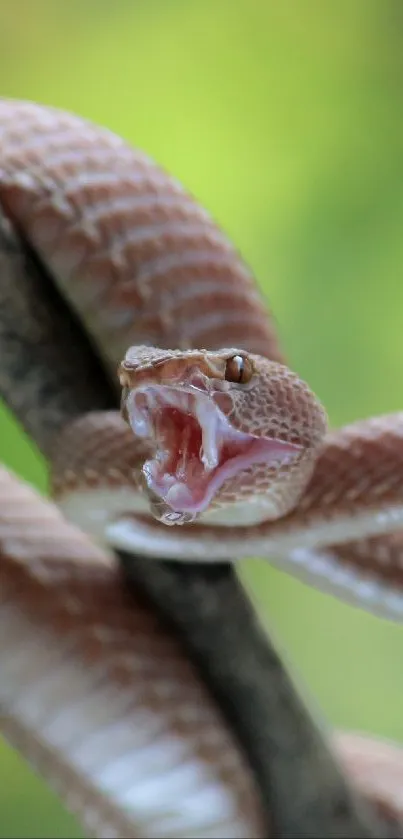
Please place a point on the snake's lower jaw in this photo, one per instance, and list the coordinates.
(181, 496)
(162, 512)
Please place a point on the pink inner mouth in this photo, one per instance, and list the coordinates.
(196, 448)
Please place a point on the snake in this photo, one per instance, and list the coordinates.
(219, 452)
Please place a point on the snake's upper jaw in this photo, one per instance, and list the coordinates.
(196, 449)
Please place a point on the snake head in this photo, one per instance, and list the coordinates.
(227, 430)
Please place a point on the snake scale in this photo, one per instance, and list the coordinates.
(219, 452)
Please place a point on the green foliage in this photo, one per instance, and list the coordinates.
(286, 121)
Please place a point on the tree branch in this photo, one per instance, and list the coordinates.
(302, 785)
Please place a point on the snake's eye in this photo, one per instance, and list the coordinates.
(238, 369)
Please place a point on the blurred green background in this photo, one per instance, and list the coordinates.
(286, 120)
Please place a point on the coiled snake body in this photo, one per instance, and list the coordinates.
(228, 443)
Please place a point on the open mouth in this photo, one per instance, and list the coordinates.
(196, 449)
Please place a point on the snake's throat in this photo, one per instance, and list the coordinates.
(196, 449)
